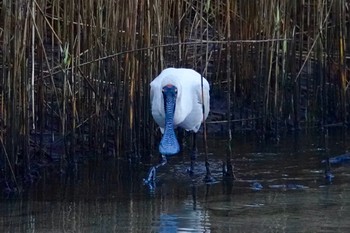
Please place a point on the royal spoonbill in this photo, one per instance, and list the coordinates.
(179, 98)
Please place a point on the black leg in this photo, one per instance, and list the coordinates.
(194, 147)
(193, 154)
(208, 177)
(227, 167)
(182, 139)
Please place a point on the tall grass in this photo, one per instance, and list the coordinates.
(75, 74)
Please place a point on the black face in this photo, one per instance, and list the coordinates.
(169, 94)
(170, 90)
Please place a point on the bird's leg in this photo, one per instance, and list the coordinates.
(150, 180)
(208, 177)
(194, 147)
(182, 139)
(193, 154)
(227, 170)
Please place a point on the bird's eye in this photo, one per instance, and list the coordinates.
(176, 90)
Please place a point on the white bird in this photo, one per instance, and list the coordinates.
(176, 99)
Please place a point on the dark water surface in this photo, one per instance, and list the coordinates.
(280, 187)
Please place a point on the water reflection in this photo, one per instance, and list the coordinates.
(188, 216)
(280, 187)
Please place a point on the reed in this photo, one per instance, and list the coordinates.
(75, 74)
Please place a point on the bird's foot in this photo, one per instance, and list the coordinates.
(209, 179)
(190, 170)
(227, 171)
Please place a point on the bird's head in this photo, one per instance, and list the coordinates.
(169, 93)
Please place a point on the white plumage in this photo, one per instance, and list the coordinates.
(177, 101)
(188, 111)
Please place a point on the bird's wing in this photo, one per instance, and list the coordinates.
(156, 104)
(206, 97)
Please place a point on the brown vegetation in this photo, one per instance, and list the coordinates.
(75, 74)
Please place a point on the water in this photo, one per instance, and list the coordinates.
(280, 187)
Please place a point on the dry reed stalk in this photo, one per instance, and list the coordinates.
(82, 69)
(228, 168)
(342, 62)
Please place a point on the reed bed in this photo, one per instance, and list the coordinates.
(75, 74)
